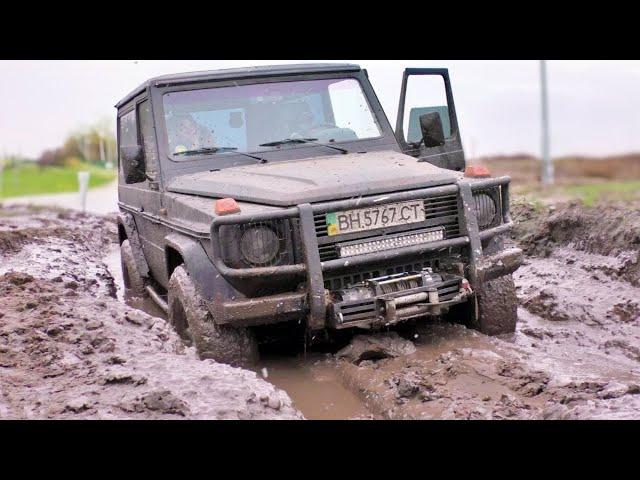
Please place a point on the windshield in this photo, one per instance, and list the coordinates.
(262, 117)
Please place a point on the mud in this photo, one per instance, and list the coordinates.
(575, 353)
(70, 349)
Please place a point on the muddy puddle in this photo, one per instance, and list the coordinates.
(314, 386)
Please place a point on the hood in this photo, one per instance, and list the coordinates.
(315, 180)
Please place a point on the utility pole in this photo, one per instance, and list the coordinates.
(547, 163)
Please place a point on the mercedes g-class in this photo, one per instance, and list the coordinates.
(275, 194)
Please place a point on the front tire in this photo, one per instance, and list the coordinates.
(194, 323)
(496, 305)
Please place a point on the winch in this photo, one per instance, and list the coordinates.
(393, 298)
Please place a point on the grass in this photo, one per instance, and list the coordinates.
(28, 179)
(589, 193)
(594, 192)
(589, 180)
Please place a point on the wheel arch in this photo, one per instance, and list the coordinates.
(127, 231)
(181, 249)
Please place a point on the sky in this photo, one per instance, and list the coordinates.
(594, 106)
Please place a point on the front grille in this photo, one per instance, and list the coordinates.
(439, 211)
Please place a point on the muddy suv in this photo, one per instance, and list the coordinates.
(276, 194)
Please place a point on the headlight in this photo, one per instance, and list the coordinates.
(259, 245)
(486, 209)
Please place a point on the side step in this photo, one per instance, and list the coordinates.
(157, 299)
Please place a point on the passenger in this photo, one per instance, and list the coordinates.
(185, 134)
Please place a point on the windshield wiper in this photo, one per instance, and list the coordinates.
(312, 141)
(199, 151)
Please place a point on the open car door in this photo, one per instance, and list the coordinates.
(427, 126)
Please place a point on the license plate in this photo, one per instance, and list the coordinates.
(390, 215)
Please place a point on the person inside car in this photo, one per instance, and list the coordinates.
(185, 134)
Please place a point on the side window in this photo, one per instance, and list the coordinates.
(147, 138)
(128, 136)
(425, 94)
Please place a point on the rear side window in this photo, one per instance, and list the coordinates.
(148, 138)
(128, 135)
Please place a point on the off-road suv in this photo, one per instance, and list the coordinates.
(281, 194)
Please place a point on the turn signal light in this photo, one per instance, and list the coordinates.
(477, 171)
(225, 206)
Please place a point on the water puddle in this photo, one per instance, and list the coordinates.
(314, 386)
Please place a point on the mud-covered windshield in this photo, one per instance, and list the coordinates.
(263, 117)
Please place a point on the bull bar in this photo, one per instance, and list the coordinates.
(314, 299)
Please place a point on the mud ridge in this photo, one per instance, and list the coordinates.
(69, 349)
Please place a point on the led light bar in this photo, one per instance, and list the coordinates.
(390, 243)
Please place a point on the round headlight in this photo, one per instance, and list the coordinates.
(485, 208)
(259, 245)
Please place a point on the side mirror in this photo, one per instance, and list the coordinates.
(432, 131)
(133, 167)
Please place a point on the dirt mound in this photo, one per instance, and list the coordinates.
(69, 349)
(376, 347)
(606, 229)
(20, 226)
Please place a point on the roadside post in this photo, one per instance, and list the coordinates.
(547, 161)
(83, 183)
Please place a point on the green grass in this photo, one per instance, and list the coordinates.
(592, 193)
(27, 179)
(588, 193)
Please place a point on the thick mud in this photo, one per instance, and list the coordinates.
(70, 349)
(575, 353)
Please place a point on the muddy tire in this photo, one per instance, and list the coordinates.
(194, 323)
(497, 307)
(134, 284)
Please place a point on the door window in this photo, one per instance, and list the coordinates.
(425, 94)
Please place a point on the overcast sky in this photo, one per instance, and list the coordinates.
(594, 105)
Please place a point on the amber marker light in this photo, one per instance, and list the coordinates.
(225, 206)
(477, 171)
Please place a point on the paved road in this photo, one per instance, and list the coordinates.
(100, 200)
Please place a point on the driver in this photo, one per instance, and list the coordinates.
(186, 134)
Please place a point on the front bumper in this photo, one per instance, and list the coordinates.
(318, 305)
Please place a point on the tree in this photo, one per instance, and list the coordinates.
(95, 144)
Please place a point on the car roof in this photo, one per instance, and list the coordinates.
(246, 72)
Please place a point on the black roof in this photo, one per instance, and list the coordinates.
(246, 72)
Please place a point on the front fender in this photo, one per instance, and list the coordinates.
(126, 221)
(203, 272)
